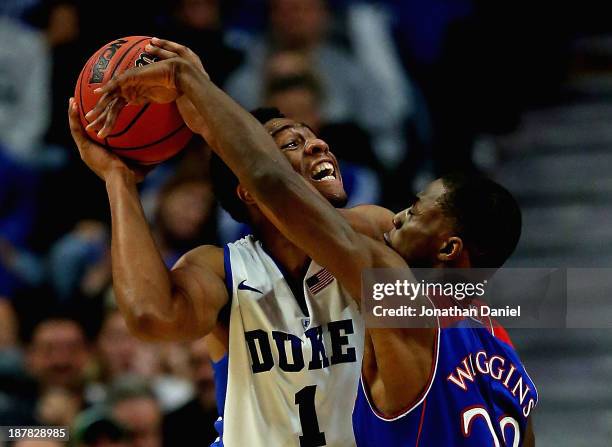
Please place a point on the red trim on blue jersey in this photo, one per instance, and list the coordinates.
(501, 334)
(421, 397)
(421, 423)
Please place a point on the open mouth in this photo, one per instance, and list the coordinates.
(323, 172)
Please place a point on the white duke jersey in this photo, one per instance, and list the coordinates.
(292, 378)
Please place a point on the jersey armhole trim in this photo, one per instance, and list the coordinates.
(227, 267)
(224, 313)
(420, 399)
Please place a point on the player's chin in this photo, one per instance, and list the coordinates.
(332, 190)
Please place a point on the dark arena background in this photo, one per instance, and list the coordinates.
(402, 90)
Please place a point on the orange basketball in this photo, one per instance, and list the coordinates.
(148, 133)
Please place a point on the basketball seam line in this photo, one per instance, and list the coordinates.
(171, 134)
(131, 123)
(124, 55)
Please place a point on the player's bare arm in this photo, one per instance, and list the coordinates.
(371, 220)
(157, 304)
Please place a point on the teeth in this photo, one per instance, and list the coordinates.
(325, 166)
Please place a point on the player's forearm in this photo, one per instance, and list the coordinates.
(238, 138)
(141, 281)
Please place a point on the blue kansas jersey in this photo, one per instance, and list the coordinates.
(479, 395)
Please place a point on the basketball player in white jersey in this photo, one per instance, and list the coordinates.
(293, 335)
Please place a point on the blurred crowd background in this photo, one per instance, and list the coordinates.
(402, 90)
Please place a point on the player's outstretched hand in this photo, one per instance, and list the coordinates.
(156, 82)
(166, 49)
(99, 160)
(139, 85)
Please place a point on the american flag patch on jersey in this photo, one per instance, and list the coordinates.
(319, 281)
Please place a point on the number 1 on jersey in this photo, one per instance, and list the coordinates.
(305, 400)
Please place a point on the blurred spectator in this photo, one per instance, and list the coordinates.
(16, 8)
(80, 261)
(134, 405)
(479, 64)
(24, 89)
(197, 24)
(56, 360)
(18, 184)
(13, 409)
(58, 407)
(298, 96)
(117, 348)
(38, 443)
(119, 353)
(60, 24)
(351, 92)
(96, 427)
(165, 366)
(58, 354)
(185, 217)
(195, 419)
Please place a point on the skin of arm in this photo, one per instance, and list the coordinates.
(529, 436)
(158, 304)
(370, 220)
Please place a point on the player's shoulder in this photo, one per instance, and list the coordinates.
(370, 220)
(500, 333)
(203, 256)
(248, 241)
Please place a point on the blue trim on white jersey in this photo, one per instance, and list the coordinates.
(221, 370)
(227, 267)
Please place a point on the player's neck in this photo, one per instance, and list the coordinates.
(292, 259)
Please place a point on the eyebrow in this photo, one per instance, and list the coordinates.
(289, 126)
(307, 127)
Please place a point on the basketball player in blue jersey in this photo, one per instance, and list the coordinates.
(294, 336)
(459, 386)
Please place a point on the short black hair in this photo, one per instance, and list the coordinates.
(224, 181)
(487, 217)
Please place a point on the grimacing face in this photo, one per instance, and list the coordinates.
(310, 157)
(420, 232)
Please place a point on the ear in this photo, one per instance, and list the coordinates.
(245, 195)
(451, 249)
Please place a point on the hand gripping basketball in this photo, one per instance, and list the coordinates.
(151, 83)
(99, 160)
(166, 49)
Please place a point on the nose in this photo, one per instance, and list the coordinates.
(316, 146)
